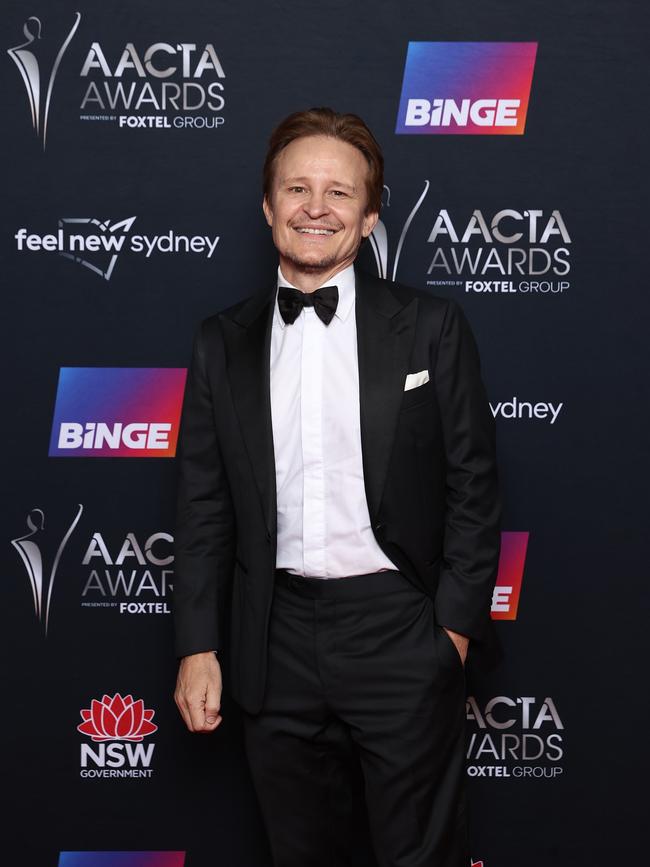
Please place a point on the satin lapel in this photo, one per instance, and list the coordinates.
(385, 333)
(247, 338)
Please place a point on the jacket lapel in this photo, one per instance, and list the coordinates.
(247, 338)
(385, 333)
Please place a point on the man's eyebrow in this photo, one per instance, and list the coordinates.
(303, 180)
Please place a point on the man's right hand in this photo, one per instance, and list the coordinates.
(198, 691)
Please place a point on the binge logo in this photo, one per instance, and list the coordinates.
(128, 412)
(121, 859)
(466, 88)
(507, 590)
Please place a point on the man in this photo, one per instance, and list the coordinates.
(338, 479)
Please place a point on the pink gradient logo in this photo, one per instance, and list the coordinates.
(466, 88)
(121, 859)
(125, 412)
(505, 598)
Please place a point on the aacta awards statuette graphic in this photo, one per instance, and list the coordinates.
(30, 553)
(379, 237)
(30, 69)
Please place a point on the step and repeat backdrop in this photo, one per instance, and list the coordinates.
(133, 138)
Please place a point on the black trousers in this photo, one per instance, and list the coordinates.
(358, 669)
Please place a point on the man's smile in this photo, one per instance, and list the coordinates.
(315, 230)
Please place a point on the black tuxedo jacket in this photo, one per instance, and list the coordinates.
(428, 460)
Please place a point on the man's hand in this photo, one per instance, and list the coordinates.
(198, 691)
(461, 642)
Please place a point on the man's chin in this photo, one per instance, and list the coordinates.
(312, 265)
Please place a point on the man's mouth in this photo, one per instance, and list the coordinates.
(309, 230)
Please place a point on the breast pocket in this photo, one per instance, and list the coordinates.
(418, 396)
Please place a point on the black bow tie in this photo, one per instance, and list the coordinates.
(323, 300)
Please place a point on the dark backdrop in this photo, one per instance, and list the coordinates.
(564, 786)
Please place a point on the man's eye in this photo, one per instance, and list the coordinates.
(338, 194)
(296, 189)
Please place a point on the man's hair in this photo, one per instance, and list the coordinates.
(345, 127)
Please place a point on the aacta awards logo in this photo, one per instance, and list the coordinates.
(133, 578)
(41, 558)
(168, 79)
(163, 85)
(517, 738)
(117, 726)
(38, 84)
(126, 573)
(493, 254)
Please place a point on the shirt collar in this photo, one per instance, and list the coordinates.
(345, 282)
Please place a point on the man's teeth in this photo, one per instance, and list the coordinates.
(316, 231)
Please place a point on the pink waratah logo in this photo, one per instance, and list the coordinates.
(117, 719)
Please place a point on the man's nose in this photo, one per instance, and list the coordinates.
(316, 205)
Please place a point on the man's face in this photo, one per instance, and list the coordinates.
(317, 206)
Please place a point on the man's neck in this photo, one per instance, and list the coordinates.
(309, 281)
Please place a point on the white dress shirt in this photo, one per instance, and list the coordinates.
(323, 522)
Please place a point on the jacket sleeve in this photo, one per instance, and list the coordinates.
(472, 535)
(205, 526)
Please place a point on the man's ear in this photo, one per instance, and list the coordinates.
(369, 223)
(268, 213)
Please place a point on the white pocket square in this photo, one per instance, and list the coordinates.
(415, 379)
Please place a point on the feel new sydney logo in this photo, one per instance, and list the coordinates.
(96, 243)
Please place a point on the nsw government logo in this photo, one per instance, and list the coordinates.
(117, 726)
(127, 412)
(466, 88)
